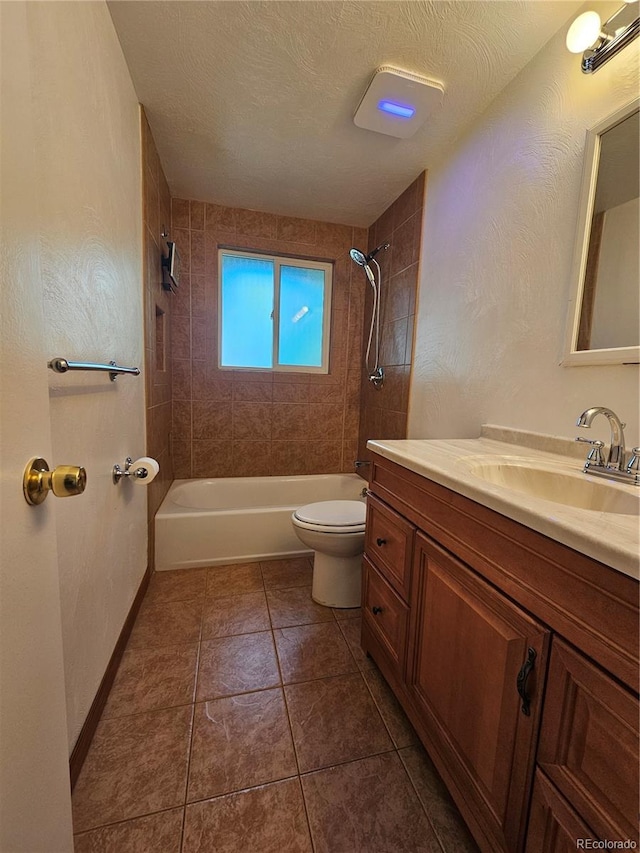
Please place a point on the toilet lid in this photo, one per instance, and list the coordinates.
(333, 513)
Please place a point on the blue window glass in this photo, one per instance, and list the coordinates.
(301, 316)
(247, 312)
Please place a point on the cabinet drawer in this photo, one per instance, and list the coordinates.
(389, 544)
(386, 614)
(589, 743)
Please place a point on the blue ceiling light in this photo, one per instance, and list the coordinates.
(397, 102)
(396, 109)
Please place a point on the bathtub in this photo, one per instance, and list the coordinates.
(239, 519)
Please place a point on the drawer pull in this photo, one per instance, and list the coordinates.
(381, 541)
(376, 610)
(521, 682)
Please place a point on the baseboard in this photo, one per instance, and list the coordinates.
(85, 737)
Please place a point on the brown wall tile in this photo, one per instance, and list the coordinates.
(252, 421)
(383, 412)
(271, 419)
(157, 370)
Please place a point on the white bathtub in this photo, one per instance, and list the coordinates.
(239, 519)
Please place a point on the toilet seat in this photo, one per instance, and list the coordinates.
(332, 516)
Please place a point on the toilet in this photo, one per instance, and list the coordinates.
(335, 532)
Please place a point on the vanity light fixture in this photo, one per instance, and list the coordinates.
(599, 42)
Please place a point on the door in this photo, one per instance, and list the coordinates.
(35, 803)
(471, 644)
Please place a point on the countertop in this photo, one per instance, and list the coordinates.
(611, 538)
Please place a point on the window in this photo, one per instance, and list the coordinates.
(274, 312)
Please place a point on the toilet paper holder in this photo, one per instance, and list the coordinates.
(137, 473)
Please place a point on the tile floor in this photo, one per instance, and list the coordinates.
(245, 718)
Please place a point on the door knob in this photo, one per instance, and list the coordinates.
(64, 481)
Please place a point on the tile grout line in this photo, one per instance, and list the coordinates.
(193, 714)
(286, 709)
(422, 806)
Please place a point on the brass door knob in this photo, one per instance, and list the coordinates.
(64, 481)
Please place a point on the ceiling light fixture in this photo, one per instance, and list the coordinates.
(397, 102)
(599, 42)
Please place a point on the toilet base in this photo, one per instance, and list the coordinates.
(337, 581)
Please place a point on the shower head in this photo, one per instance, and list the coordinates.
(358, 257)
(362, 259)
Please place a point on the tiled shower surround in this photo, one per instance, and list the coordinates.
(383, 411)
(245, 718)
(157, 313)
(235, 423)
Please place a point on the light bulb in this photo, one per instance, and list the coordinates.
(583, 32)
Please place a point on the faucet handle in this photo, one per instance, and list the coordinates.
(595, 454)
(634, 461)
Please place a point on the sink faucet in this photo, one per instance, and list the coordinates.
(616, 457)
(615, 465)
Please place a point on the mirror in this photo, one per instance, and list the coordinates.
(604, 313)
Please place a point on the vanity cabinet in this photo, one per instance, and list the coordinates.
(464, 611)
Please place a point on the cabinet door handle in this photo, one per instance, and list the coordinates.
(376, 610)
(521, 681)
(381, 541)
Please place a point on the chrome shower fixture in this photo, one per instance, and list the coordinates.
(376, 374)
(362, 259)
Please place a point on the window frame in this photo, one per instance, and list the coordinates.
(278, 262)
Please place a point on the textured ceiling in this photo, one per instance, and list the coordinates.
(251, 103)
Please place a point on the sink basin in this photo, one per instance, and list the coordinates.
(560, 486)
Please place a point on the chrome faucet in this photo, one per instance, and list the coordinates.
(616, 466)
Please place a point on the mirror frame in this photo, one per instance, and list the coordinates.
(615, 355)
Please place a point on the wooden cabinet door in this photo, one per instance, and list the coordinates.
(554, 827)
(589, 744)
(469, 647)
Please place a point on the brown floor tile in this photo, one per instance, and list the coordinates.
(306, 652)
(341, 613)
(334, 720)
(241, 664)
(436, 800)
(156, 833)
(149, 679)
(171, 623)
(240, 742)
(235, 614)
(367, 806)
(179, 585)
(234, 580)
(351, 630)
(135, 765)
(270, 819)
(295, 607)
(401, 731)
(280, 574)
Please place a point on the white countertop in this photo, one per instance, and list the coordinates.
(611, 538)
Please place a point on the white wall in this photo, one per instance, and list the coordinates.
(89, 180)
(501, 214)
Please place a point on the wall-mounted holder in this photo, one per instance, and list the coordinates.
(64, 481)
(136, 473)
(61, 365)
(143, 470)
